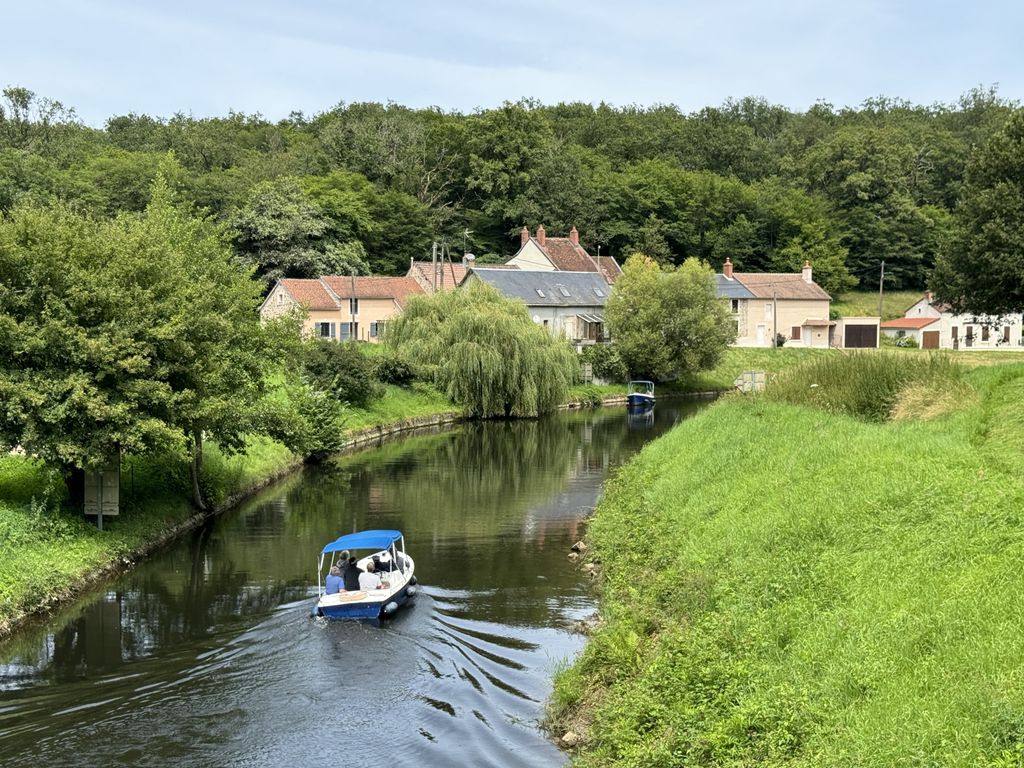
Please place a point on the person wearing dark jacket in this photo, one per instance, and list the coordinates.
(351, 575)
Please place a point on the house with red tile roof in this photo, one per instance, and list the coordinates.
(791, 307)
(562, 254)
(340, 307)
(932, 325)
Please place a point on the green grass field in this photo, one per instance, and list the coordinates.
(865, 303)
(787, 586)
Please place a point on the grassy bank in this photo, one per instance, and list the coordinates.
(46, 550)
(787, 586)
(865, 303)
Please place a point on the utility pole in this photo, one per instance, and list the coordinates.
(881, 279)
(433, 268)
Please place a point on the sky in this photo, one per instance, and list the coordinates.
(113, 57)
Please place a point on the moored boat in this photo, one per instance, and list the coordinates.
(640, 394)
(386, 550)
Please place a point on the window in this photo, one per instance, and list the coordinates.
(1006, 334)
(735, 306)
(353, 306)
(563, 291)
(280, 298)
(901, 333)
(376, 329)
(541, 293)
(546, 322)
(984, 333)
(349, 331)
(599, 292)
(795, 334)
(323, 330)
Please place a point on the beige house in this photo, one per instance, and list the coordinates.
(342, 308)
(933, 326)
(765, 305)
(561, 254)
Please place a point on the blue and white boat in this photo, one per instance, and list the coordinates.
(640, 394)
(386, 549)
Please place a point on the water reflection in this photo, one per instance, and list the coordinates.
(206, 654)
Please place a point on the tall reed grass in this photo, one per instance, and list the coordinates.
(867, 385)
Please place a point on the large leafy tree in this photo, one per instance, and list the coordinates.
(128, 335)
(668, 322)
(485, 352)
(982, 270)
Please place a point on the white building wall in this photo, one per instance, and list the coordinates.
(531, 257)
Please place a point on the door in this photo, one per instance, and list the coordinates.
(861, 336)
(929, 340)
(760, 335)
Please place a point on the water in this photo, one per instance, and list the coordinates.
(206, 655)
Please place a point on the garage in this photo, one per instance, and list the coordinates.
(861, 336)
(929, 340)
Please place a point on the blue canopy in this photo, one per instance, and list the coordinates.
(364, 540)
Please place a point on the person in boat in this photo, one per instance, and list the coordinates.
(335, 583)
(383, 563)
(351, 575)
(370, 579)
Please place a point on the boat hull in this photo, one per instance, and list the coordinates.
(369, 605)
(636, 400)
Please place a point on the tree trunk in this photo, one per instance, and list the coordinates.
(74, 480)
(197, 466)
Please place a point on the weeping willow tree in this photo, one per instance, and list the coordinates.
(484, 352)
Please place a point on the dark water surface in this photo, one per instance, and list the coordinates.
(206, 655)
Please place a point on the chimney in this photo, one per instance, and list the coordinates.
(807, 272)
(524, 237)
(541, 237)
(574, 236)
(727, 269)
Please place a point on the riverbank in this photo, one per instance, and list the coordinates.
(49, 555)
(781, 585)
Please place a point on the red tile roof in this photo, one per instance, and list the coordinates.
(424, 270)
(910, 323)
(780, 285)
(397, 288)
(309, 293)
(609, 268)
(566, 255)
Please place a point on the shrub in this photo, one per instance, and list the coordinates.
(905, 342)
(342, 370)
(607, 363)
(391, 367)
(310, 422)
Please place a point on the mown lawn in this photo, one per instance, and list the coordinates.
(786, 586)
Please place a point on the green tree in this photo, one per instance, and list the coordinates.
(485, 352)
(668, 322)
(982, 270)
(124, 336)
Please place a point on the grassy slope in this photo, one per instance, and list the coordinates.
(824, 592)
(865, 303)
(44, 548)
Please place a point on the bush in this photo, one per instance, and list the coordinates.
(866, 384)
(606, 362)
(342, 370)
(905, 342)
(310, 422)
(391, 367)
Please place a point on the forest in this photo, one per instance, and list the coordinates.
(365, 187)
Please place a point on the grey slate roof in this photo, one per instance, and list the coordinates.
(584, 289)
(731, 289)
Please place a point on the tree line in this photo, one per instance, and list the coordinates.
(365, 187)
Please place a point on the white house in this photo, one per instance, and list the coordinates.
(933, 326)
(569, 303)
(562, 254)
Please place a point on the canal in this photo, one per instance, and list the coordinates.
(206, 654)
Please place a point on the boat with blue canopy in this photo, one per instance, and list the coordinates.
(385, 556)
(640, 394)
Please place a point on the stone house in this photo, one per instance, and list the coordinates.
(562, 254)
